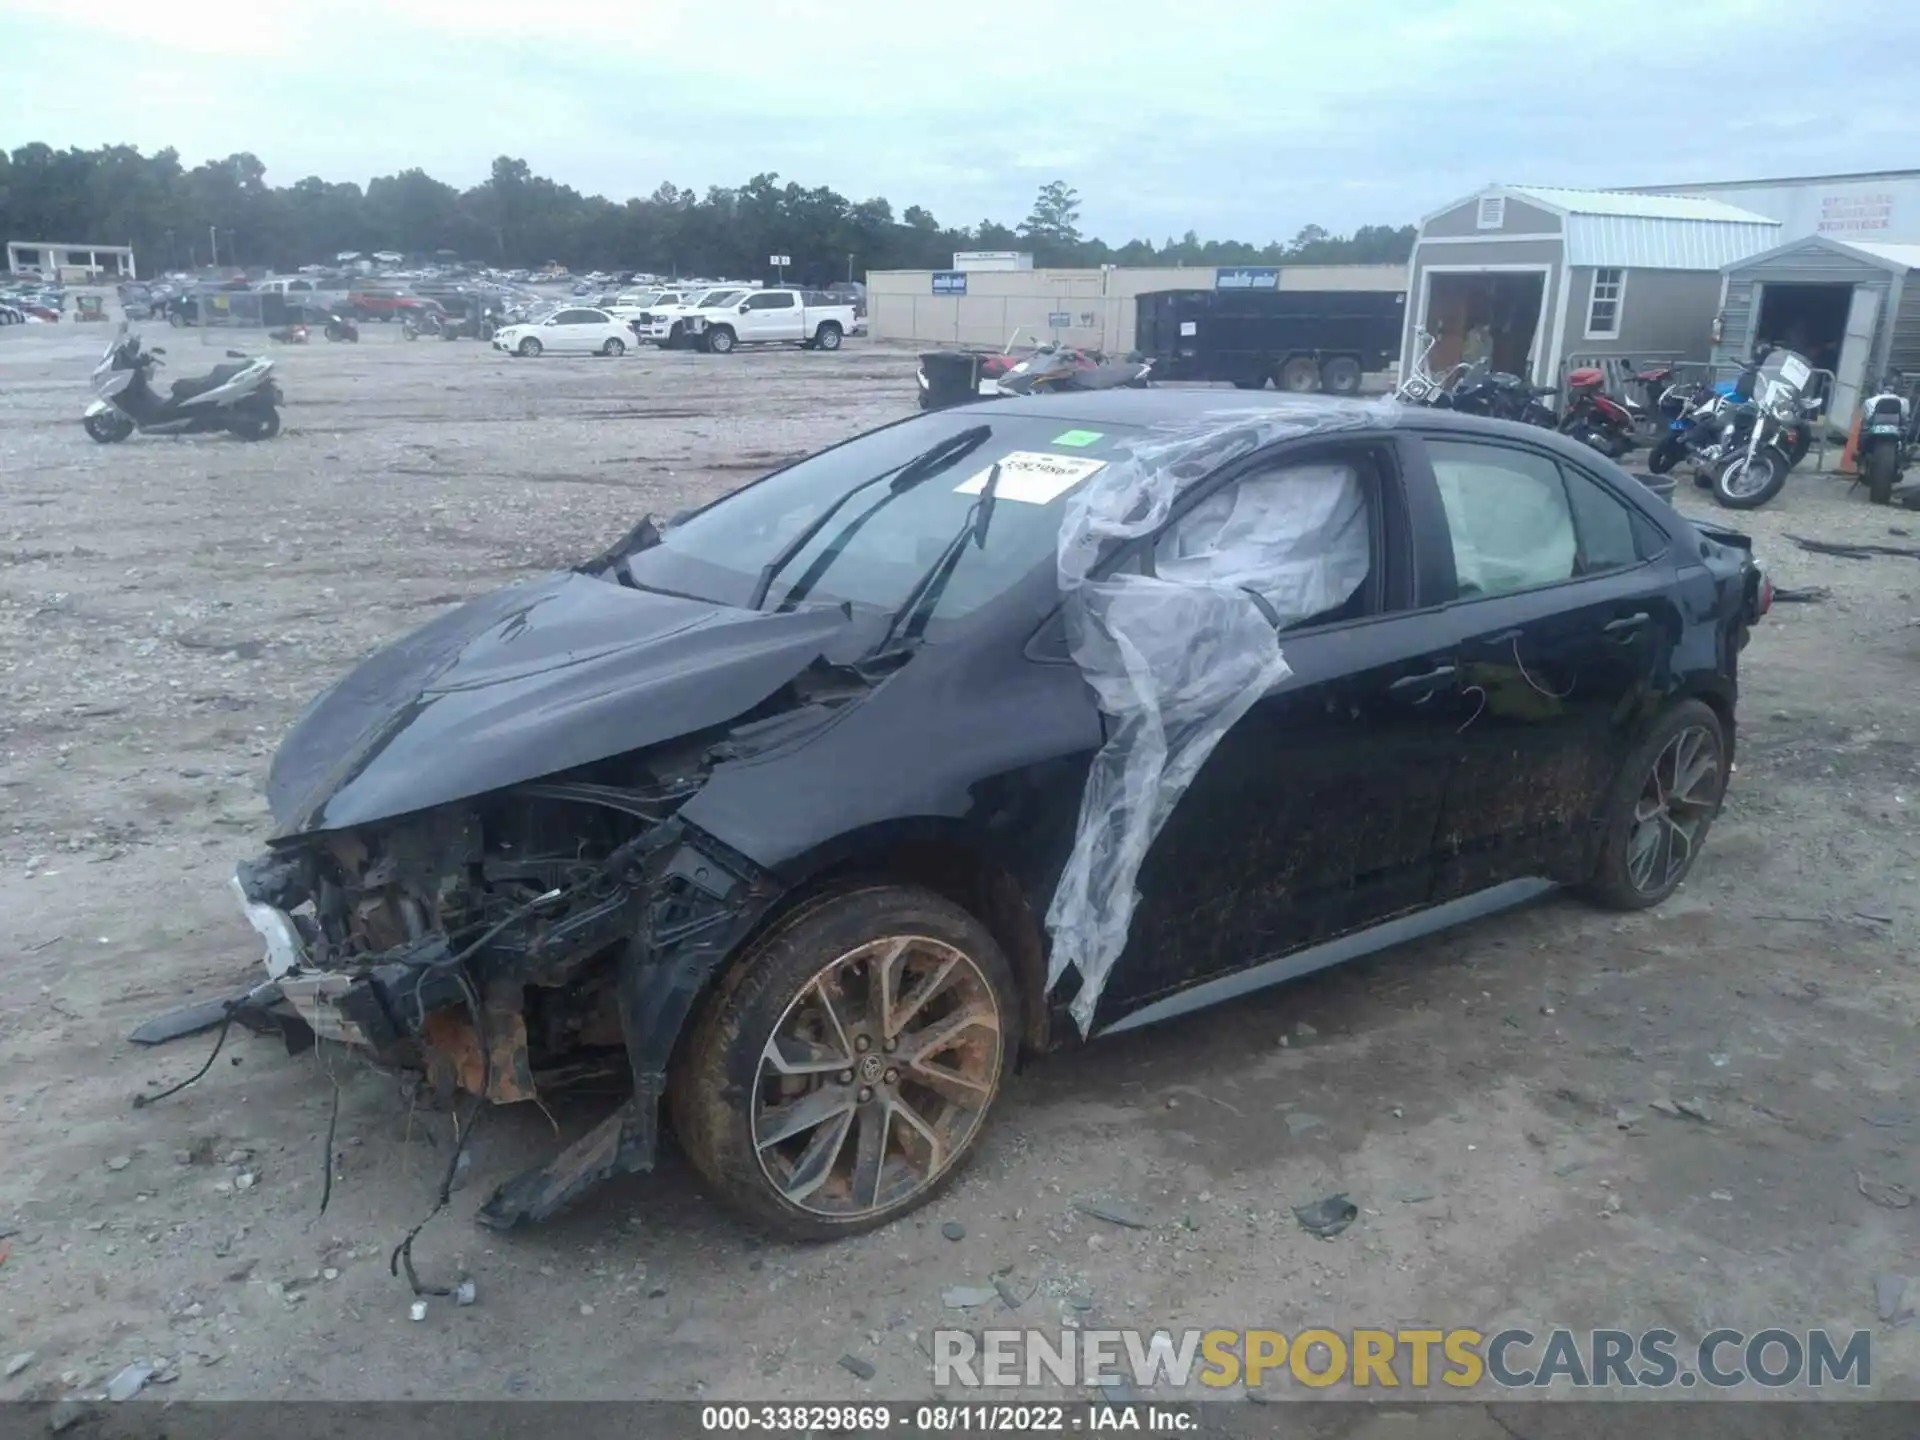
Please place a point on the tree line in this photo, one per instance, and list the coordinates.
(225, 212)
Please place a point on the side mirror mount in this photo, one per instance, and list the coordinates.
(743, 307)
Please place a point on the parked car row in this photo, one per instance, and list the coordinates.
(717, 321)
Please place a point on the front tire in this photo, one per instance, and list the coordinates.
(1663, 802)
(529, 348)
(719, 341)
(1747, 484)
(844, 1070)
(108, 428)
(1667, 454)
(1880, 470)
(612, 348)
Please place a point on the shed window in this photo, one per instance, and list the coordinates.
(1603, 306)
(1493, 212)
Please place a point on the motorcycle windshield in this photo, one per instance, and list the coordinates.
(1784, 376)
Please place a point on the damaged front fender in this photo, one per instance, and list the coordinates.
(703, 901)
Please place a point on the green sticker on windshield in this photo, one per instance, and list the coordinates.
(1079, 439)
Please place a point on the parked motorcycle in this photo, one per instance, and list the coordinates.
(1475, 389)
(1750, 463)
(241, 397)
(1889, 436)
(427, 322)
(1595, 418)
(341, 327)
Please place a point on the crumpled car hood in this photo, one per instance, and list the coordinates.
(529, 681)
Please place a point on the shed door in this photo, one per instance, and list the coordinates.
(1850, 374)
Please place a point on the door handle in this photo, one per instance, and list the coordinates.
(1626, 624)
(1424, 685)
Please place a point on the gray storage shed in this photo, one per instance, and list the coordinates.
(1541, 276)
(1848, 306)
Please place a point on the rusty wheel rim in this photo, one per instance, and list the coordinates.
(876, 1077)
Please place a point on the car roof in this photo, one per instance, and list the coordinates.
(1164, 405)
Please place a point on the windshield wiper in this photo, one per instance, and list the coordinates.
(930, 461)
(917, 609)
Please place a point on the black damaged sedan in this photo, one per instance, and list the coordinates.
(984, 732)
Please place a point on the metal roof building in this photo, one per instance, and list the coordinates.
(1849, 306)
(1537, 276)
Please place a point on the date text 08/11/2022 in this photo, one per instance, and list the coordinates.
(947, 1419)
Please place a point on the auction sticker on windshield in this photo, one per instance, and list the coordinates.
(1033, 477)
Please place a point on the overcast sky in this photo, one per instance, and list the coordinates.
(1242, 121)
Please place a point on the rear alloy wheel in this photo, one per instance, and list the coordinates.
(529, 347)
(613, 347)
(846, 1067)
(1341, 375)
(828, 336)
(1663, 802)
(1299, 375)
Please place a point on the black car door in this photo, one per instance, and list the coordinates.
(1315, 814)
(1565, 619)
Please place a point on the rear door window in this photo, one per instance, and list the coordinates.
(1519, 519)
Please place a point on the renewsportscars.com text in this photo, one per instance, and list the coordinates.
(1457, 1359)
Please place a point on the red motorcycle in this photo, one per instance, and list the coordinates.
(1594, 417)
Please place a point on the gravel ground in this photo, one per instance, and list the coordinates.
(166, 606)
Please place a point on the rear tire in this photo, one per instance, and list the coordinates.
(613, 348)
(1655, 807)
(256, 424)
(827, 337)
(809, 1178)
(1880, 468)
(1299, 376)
(1341, 375)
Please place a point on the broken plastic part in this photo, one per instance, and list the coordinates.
(1177, 657)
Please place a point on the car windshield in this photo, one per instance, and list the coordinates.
(718, 297)
(878, 544)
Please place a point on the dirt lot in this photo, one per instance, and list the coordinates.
(166, 606)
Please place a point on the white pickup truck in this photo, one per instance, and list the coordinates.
(808, 318)
(661, 322)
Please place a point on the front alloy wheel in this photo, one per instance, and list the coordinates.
(850, 1070)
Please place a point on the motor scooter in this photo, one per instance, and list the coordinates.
(241, 397)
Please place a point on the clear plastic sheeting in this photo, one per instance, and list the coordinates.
(1176, 658)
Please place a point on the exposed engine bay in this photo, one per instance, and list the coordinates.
(543, 935)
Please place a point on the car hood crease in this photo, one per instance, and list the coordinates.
(530, 681)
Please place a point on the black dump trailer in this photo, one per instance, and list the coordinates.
(1299, 339)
